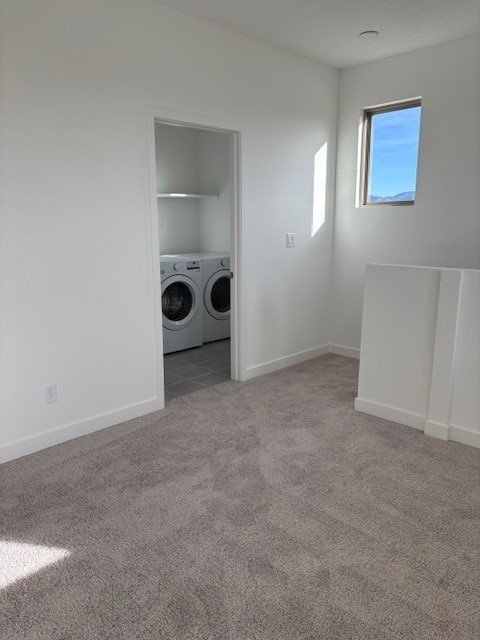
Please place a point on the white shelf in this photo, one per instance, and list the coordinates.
(187, 195)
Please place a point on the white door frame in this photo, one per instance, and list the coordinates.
(237, 159)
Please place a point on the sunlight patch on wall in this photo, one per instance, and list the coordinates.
(319, 189)
(18, 560)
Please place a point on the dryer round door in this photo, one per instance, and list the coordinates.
(180, 302)
(217, 295)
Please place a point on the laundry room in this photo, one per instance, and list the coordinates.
(194, 176)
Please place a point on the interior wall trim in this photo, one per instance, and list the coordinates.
(437, 430)
(26, 446)
(348, 352)
(394, 414)
(286, 361)
(464, 436)
(452, 433)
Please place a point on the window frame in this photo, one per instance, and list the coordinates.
(368, 113)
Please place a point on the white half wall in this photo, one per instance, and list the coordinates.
(420, 351)
(398, 336)
(465, 400)
(76, 259)
(443, 227)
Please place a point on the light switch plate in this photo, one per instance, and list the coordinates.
(51, 393)
(290, 240)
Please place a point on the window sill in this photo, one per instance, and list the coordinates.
(399, 203)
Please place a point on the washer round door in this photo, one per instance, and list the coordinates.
(217, 295)
(180, 302)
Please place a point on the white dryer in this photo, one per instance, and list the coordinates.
(216, 297)
(182, 303)
(216, 293)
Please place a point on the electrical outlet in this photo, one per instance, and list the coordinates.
(290, 240)
(51, 393)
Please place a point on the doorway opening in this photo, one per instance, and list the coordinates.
(195, 177)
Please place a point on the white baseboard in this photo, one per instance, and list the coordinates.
(453, 433)
(348, 352)
(379, 410)
(300, 356)
(286, 361)
(465, 436)
(25, 446)
(437, 430)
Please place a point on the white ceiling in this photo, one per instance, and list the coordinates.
(327, 30)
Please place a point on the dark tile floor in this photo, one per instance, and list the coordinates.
(194, 369)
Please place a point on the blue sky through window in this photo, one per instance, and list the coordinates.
(394, 154)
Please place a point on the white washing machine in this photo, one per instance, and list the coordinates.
(182, 303)
(216, 293)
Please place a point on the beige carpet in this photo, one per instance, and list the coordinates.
(263, 510)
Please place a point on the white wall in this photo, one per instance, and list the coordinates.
(465, 409)
(420, 351)
(443, 227)
(398, 336)
(191, 160)
(176, 158)
(177, 172)
(214, 174)
(178, 225)
(76, 270)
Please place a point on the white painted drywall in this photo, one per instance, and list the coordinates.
(177, 172)
(192, 160)
(465, 410)
(76, 266)
(213, 163)
(445, 350)
(420, 350)
(443, 227)
(398, 336)
(178, 225)
(177, 161)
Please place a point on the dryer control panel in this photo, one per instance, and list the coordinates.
(167, 268)
(216, 263)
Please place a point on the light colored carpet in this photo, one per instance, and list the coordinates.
(265, 510)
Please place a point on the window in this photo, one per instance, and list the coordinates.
(390, 154)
